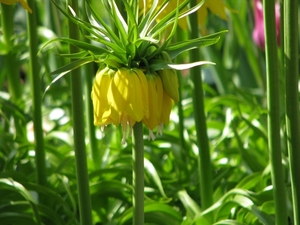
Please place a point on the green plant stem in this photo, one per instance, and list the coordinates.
(7, 18)
(205, 165)
(180, 114)
(36, 93)
(12, 64)
(85, 207)
(138, 174)
(273, 99)
(292, 104)
(88, 77)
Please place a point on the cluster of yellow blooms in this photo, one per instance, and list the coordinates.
(23, 3)
(126, 96)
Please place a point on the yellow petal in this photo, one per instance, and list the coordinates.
(144, 91)
(136, 106)
(118, 91)
(166, 109)
(126, 93)
(155, 90)
(99, 96)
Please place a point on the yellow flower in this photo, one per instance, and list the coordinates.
(215, 6)
(127, 96)
(23, 3)
(120, 97)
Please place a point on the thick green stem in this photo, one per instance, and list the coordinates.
(292, 104)
(12, 64)
(85, 207)
(205, 165)
(36, 93)
(7, 18)
(273, 99)
(88, 77)
(138, 175)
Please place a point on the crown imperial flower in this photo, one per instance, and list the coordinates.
(127, 96)
(137, 81)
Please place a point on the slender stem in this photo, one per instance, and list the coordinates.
(180, 114)
(88, 77)
(292, 105)
(138, 175)
(179, 104)
(7, 18)
(273, 99)
(205, 167)
(85, 208)
(36, 92)
(12, 64)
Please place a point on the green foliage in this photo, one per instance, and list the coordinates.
(235, 106)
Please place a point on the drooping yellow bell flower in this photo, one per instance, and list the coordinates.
(127, 96)
(23, 3)
(120, 97)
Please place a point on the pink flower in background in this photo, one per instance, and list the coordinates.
(258, 32)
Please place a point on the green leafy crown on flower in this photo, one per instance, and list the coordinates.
(135, 41)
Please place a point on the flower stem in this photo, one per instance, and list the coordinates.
(273, 99)
(205, 165)
(138, 174)
(88, 74)
(36, 92)
(292, 105)
(85, 208)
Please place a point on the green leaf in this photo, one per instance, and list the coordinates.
(14, 186)
(132, 24)
(118, 21)
(229, 222)
(154, 175)
(146, 19)
(190, 205)
(93, 16)
(177, 48)
(66, 69)
(158, 64)
(173, 17)
(80, 44)
(155, 213)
